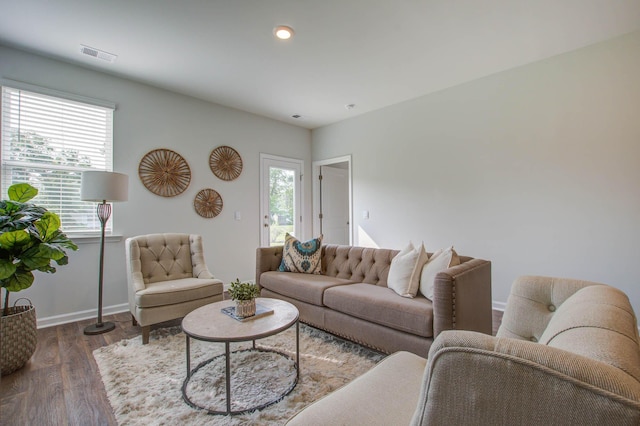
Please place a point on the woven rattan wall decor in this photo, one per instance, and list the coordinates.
(225, 163)
(164, 172)
(208, 203)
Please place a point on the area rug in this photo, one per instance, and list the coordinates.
(143, 382)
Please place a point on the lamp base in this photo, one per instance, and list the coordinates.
(99, 328)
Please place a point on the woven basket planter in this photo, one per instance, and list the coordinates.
(245, 308)
(19, 338)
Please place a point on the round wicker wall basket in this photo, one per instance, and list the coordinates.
(19, 337)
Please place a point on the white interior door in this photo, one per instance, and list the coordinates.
(281, 199)
(334, 205)
(336, 194)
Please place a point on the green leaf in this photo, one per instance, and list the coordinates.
(30, 238)
(19, 215)
(62, 241)
(48, 268)
(48, 225)
(7, 268)
(36, 257)
(19, 281)
(52, 251)
(243, 291)
(22, 192)
(11, 239)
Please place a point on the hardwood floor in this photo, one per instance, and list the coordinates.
(61, 384)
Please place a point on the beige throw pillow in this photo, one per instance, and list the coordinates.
(404, 271)
(438, 262)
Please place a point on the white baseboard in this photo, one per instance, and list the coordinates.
(82, 315)
(498, 306)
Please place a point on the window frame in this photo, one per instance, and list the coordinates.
(105, 144)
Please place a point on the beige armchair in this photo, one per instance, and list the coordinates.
(167, 278)
(567, 353)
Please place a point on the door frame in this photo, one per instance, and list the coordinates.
(300, 192)
(316, 192)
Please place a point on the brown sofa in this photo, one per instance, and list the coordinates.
(351, 298)
(567, 353)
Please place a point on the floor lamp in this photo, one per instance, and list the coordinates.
(102, 187)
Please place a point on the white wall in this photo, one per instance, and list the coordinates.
(148, 118)
(536, 169)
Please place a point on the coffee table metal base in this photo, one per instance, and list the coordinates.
(227, 356)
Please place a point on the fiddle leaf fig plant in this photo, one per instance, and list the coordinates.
(30, 239)
(243, 291)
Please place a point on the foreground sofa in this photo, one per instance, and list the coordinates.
(351, 298)
(567, 353)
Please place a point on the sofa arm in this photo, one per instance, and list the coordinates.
(462, 298)
(267, 259)
(475, 379)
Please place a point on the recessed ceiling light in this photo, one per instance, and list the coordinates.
(283, 32)
(350, 106)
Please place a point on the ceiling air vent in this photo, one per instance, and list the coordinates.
(96, 53)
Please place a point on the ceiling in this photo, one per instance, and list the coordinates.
(371, 53)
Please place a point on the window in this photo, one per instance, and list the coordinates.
(48, 141)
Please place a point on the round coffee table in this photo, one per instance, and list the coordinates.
(210, 324)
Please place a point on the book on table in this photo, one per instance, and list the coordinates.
(261, 311)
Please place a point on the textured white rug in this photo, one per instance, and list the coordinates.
(143, 383)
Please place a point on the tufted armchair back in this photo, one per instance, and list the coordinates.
(536, 299)
(571, 315)
(167, 278)
(164, 257)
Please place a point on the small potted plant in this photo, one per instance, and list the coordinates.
(30, 239)
(244, 294)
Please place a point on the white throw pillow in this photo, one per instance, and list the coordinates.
(404, 271)
(438, 262)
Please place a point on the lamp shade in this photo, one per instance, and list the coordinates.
(104, 186)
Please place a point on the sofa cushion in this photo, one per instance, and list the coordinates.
(385, 395)
(172, 292)
(382, 306)
(304, 287)
(440, 260)
(404, 272)
(303, 257)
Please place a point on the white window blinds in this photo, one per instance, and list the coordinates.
(48, 141)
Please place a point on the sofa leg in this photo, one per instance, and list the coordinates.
(145, 334)
(133, 320)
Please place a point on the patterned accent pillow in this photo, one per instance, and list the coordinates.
(303, 257)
